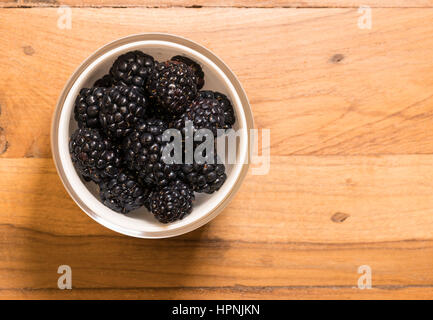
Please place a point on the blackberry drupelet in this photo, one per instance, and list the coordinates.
(205, 113)
(93, 155)
(198, 71)
(229, 113)
(173, 85)
(132, 68)
(121, 108)
(123, 193)
(105, 82)
(171, 203)
(143, 153)
(204, 178)
(87, 106)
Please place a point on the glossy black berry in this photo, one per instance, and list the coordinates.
(229, 114)
(206, 177)
(143, 151)
(93, 155)
(198, 71)
(204, 113)
(123, 193)
(132, 68)
(173, 85)
(87, 106)
(171, 203)
(121, 108)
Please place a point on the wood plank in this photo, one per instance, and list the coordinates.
(224, 3)
(296, 202)
(277, 239)
(121, 262)
(326, 87)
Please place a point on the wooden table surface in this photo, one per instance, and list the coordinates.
(350, 183)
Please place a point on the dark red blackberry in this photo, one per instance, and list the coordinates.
(205, 178)
(87, 105)
(132, 68)
(205, 113)
(121, 108)
(105, 82)
(173, 85)
(122, 193)
(171, 203)
(94, 157)
(198, 71)
(143, 153)
(229, 113)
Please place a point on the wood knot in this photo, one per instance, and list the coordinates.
(339, 217)
(336, 58)
(4, 144)
(28, 50)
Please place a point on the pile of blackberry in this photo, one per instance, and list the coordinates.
(119, 143)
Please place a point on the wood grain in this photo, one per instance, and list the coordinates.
(350, 181)
(375, 98)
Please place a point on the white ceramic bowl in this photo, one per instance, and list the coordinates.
(141, 223)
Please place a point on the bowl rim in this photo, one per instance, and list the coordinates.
(146, 37)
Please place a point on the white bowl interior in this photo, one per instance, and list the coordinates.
(140, 222)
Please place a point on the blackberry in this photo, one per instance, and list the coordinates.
(121, 108)
(205, 113)
(229, 113)
(87, 105)
(173, 85)
(171, 203)
(204, 178)
(159, 173)
(105, 82)
(198, 71)
(122, 193)
(93, 156)
(132, 68)
(143, 153)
